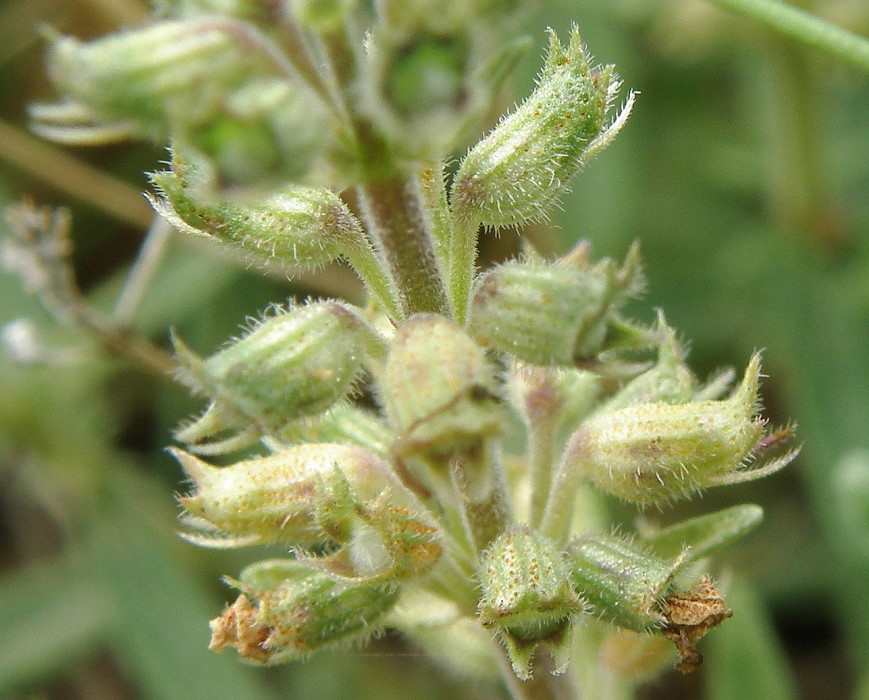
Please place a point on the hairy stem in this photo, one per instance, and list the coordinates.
(397, 223)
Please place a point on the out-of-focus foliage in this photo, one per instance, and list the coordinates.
(743, 172)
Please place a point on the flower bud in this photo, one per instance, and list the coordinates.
(518, 171)
(343, 423)
(657, 452)
(438, 389)
(165, 72)
(526, 597)
(303, 226)
(286, 497)
(288, 611)
(291, 365)
(668, 381)
(621, 581)
(386, 542)
(550, 313)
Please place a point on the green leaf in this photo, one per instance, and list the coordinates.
(705, 533)
(51, 616)
(161, 631)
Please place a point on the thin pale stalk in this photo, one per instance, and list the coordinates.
(434, 196)
(463, 259)
(367, 265)
(805, 27)
(478, 478)
(541, 455)
(142, 273)
(562, 496)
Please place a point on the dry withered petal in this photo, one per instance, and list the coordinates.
(690, 615)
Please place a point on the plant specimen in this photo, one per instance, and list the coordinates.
(433, 461)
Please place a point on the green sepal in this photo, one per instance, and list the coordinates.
(705, 533)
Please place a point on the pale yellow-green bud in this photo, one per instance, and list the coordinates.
(289, 366)
(551, 313)
(658, 452)
(668, 381)
(438, 388)
(288, 611)
(154, 75)
(298, 226)
(286, 497)
(526, 597)
(519, 170)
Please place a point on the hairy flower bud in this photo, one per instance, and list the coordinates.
(288, 611)
(624, 583)
(164, 72)
(286, 497)
(291, 365)
(302, 226)
(518, 171)
(526, 597)
(550, 313)
(656, 452)
(668, 381)
(437, 388)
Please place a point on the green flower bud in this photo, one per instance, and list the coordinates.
(624, 583)
(668, 381)
(550, 313)
(291, 365)
(384, 542)
(343, 423)
(438, 389)
(288, 611)
(657, 452)
(518, 171)
(286, 497)
(162, 73)
(302, 226)
(526, 597)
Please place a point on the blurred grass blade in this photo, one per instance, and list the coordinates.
(743, 657)
(51, 616)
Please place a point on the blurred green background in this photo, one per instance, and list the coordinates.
(744, 171)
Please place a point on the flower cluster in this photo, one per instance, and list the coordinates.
(430, 461)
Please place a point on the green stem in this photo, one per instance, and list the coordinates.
(142, 273)
(434, 196)
(804, 26)
(478, 478)
(366, 263)
(562, 497)
(395, 214)
(463, 251)
(541, 455)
